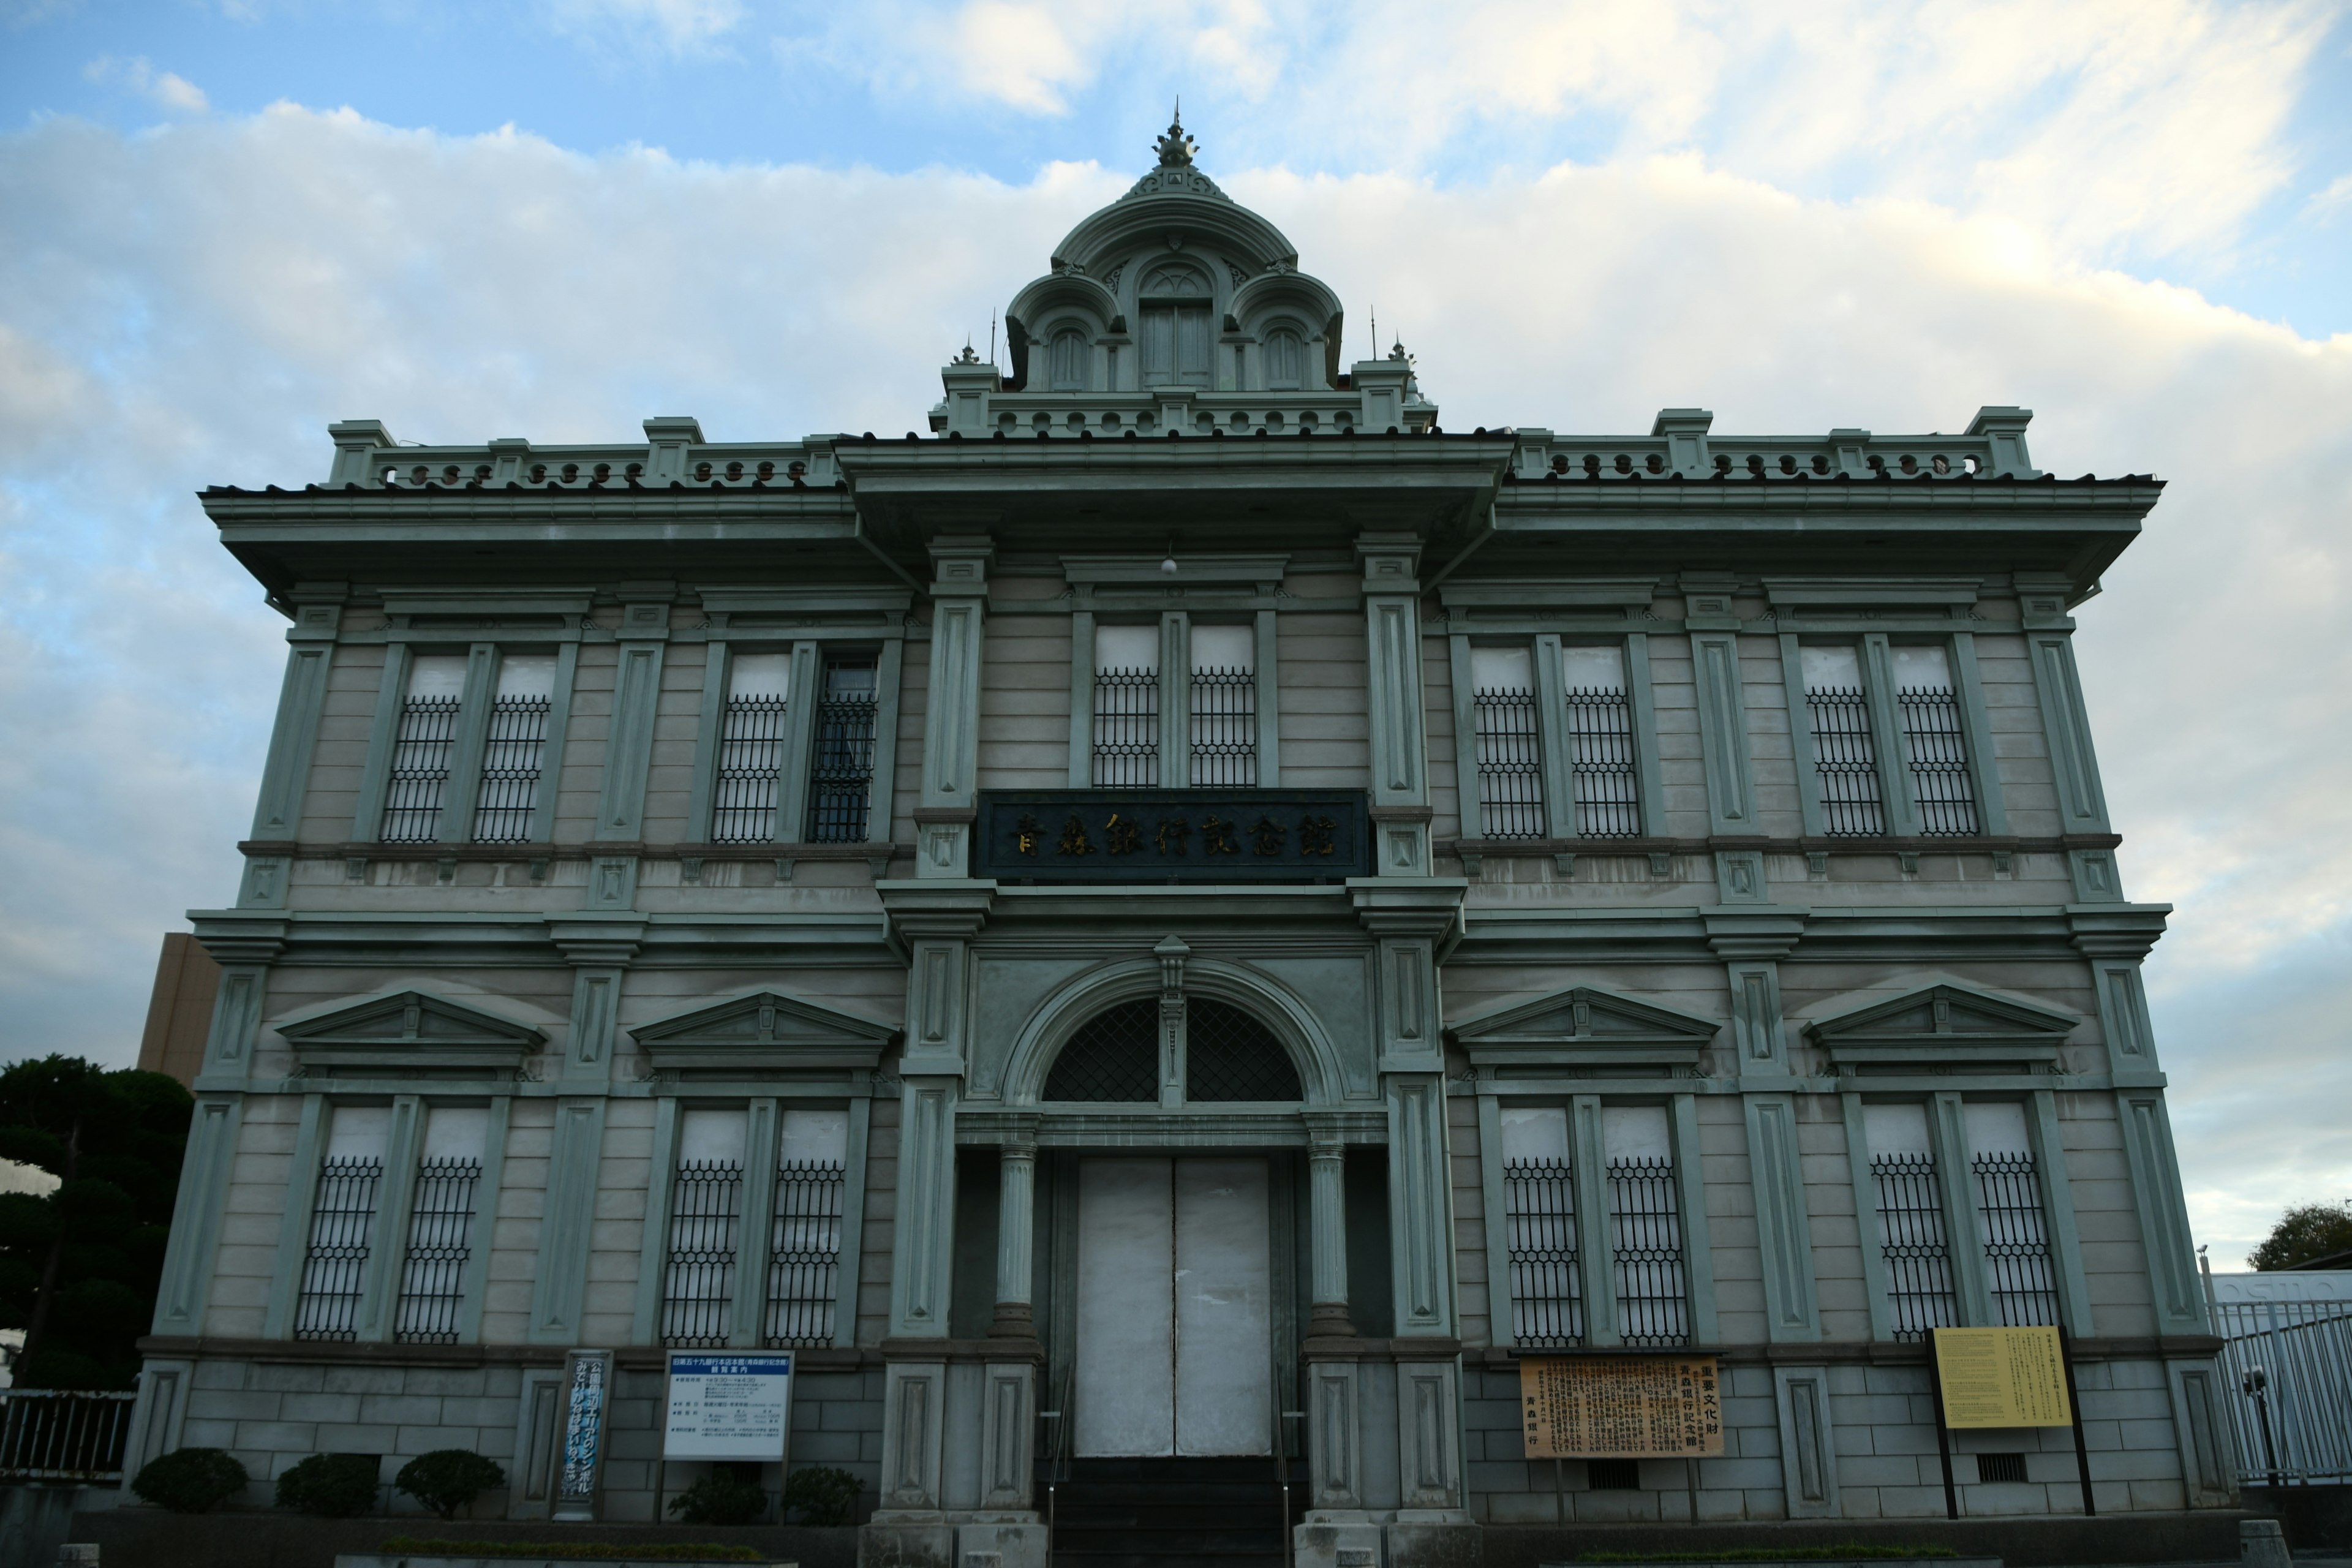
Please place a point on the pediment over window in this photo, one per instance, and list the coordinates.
(1941, 1023)
(1585, 1027)
(765, 1034)
(410, 1031)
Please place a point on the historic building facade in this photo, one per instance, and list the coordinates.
(1187, 913)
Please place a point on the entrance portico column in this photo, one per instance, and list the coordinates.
(1015, 1228)
(1327, 1170)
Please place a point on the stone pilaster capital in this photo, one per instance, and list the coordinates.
(1754, 933)
(588, 942)
(953, 909)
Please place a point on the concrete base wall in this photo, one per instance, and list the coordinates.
(147, 1538)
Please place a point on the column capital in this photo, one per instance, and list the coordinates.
(588, 943)
(1743, 933)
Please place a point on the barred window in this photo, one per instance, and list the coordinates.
(805, 1234)
(1126, 707)
(1645, 1231)
(706, 1215)
(2020, 1273)
(1223, 712)
(514, 748)
(419, 773)
(1601, 742)
(841, 767)
(1510, 749)
(1540, 1229)
(1845, 757)
(342, 1224)
(1933, 744)
(750, 763)
(1912, 1236)
(441, 1225)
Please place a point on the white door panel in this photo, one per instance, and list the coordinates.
(1223, 1330)
(1126, 1339)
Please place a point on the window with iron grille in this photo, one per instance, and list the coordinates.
(1113, 1059)
(1646, 1252)
(1934, 746)
(750, 763)
(1508, 746)
(1126, 707)
(1546, 1288)
(1918, 1255)
(1222, 718)
(698, 1274)
(440, 1241)
(418, 774)
(514, 749)
(1600, 725)
(334, 1264)
(841, 767)
(805, 1252)
(2018, 1272)
(1230, 1055)
(1845, 755)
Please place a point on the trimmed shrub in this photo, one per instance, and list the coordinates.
(191, 1480)
(725, 1496)
(332, 1486)
(448, 1479)
(822, 1495)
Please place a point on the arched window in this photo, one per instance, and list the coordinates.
(1286, 360)
(1175, 303)
(1067, 364)
(1114, 1057)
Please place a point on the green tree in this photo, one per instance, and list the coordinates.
(78, 1268)
(2305, 1232)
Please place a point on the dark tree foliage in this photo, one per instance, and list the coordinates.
(78, 1268)
(2305, 1232)
(332, 1486)
(448, 1479)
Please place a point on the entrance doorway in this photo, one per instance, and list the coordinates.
(1174, 1352)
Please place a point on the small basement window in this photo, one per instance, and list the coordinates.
(1614, 1475)
(1993, 1467)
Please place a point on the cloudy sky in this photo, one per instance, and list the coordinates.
(224, 225)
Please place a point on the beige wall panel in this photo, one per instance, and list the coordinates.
(1772, 751)
(678, 721)
(514, 1233)
(2021, 748)
(617, 1232)
(1840, 1291)
(1326, 719)
(1731, 1219)
(338, 762)
(238, 1299)
(914, 693)
(1474, 1296)
(581, 780)
(881, 1213)
(1682, 761)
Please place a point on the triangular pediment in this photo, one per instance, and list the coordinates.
(410, 1030)
(1585, 1025)
(1944, 1021)
(766, 1031)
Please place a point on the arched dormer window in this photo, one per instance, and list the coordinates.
(1174, 304)
(1286, 361)
(1066, 367)
(1114, 1057)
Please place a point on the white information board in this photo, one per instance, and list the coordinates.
(728, 1407)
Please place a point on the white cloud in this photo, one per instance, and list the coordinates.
(677, 27)
(2337, 193)
(136, 75)
(193, 305)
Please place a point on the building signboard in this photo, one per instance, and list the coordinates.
(1621, 1407)
(587, 1389)
(2002, 1377)
(728, 1407)
(1172, 836)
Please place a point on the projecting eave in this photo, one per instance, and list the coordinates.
(2075, 526)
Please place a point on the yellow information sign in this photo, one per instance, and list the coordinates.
(2002, 1377)
(1621, 1407)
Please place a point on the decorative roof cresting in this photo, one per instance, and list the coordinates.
(1175, 148)
(1175, 174)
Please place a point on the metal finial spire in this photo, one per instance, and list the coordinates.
(1175, 148)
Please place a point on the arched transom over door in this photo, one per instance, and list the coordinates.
(1114, 1057)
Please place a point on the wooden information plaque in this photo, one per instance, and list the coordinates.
(1621, 1407)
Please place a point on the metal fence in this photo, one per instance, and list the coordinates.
(1547, 1287)
(1600, 754)
(1223, 716)
(2289, 1366)
(1510, 765)
(342, 1220)
(1939, 762)
(1846, 761)
(750, 770)
(419, 775)
(1127, 728)
(513, 751)
(1646, 1244)
(63, 1435)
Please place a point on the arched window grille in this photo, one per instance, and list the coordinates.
(1229, 1056)
(1114, 1057)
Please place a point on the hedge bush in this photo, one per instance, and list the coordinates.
(332, 1486)
(822, 1495)
(725, 1496)
(448, 1479)
(191, 1480)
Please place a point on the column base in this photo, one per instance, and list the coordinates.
(1013, 1321)
(1330, 1320)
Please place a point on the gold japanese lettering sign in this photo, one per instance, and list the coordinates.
(1204, 835)
(2002, 1377)
(1621, 1407)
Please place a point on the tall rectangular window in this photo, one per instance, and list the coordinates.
(419, 775)
(1175, 343)
(706, 1216)
(1912, 1236)
(1845, 758)
(514, 748)
(1126, 707)
(1601, 742)
(441, 1224)
(1539, 1220)
(2019, 1271)
(751, 749)
(1510, 749)
(841, 765)
(1645, 1229)
(804, 1236)
(343, 1222)
(1222, 716)
(1934, 746)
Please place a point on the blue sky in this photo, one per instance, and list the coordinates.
(222, 226)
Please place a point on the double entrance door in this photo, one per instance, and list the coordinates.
(1174, 1343)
